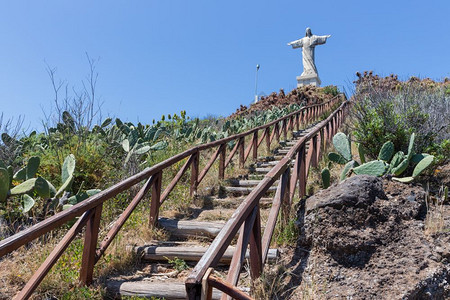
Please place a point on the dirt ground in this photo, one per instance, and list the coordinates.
(370, 238)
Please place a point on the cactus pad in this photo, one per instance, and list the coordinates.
(386, 151)
(337, 158)
(326, 178)
(342, 145)
(24, 187)
(351, 164)
(422, 165)
(4, 184)
(374, 168)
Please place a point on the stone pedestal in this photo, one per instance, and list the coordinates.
(308, 80)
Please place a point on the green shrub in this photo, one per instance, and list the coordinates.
(387, 109)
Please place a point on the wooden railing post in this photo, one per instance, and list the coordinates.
(90, 246)
(286, 202)
(241, 152)
(285, 130)
(255, 145)
(267, 137)
(297, 122)
(222, 156)
(255, 247)
(302, 173)
(313, 148)
(155, 201)
(277, 132)
(194, 173)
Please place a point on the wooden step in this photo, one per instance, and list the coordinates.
(249, 182)
(263, 170)
(158, 289)
(234, 202)
(184, 228)
(244, 189)
(267, 163)
(158, 253)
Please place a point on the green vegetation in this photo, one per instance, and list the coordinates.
(178, 264)
(386, 109)
(387, 163)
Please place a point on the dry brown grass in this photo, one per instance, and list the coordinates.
(434, 221)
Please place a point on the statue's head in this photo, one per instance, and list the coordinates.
(308, 32)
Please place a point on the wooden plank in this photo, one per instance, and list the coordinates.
(194, 174)
(156, 289)
(56, 253)
(123, 217)
(295, 176)
(267, 135)
(155, 200)
(248, 149)
(262, 137)
(175, 180)
(206, 289)
(222, 161)
(90, 246)
(244, 190)
(274, 131)
(285, 129)
(241, 152)
(210, 163)
(184, 228)
(233, 151)
(314, 156)
(302, 174)
(227, 288)
(187, 253)
(241, 251)
(255, 145)
(272, 219)
(256, 265)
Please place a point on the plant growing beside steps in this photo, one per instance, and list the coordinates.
(33, 186)
(387, 163)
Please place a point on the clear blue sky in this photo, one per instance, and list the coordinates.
(160, 57)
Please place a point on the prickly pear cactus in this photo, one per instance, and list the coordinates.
(362, 154)
(411, 146)
(326, 178)
(342, 145)
(422, 165)
(386, 151)
(374, 168)
(346, 171)
(397, 159)
(337, 158)
(398, 170)
(4, 184)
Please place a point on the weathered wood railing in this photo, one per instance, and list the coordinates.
(90, 209)
(247, 216)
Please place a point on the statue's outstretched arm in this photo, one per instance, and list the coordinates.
(296, 44)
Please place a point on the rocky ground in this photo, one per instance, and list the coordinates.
(365, 238)
(306, 95)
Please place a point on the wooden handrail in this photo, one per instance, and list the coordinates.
(243, 212)
(153, 175)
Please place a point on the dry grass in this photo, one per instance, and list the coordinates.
(311, 288)
(434, 221)
(269, 285)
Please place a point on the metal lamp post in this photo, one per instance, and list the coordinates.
(256, 83)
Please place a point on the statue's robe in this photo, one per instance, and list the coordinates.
(308, 44)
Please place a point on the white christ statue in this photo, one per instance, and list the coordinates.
(308, 43)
